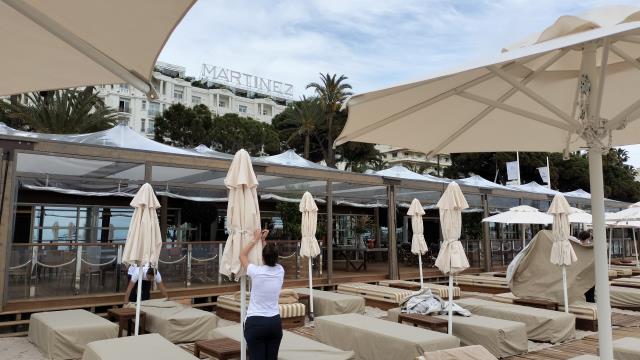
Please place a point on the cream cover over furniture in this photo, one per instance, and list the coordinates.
(627, 348)
(330, 303)
(377, 339)
(178, 323)
(474, 352)
(150, 346)
(64, 334)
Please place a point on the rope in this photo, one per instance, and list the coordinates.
(288, 256)
(172, 262)
(19, 266)
(107, 263)
(56, 266)
(204, 260)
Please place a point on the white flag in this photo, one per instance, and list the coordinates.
(544, 174)
(512, 170)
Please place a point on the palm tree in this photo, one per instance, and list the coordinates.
(332, 92)
(67, 111)
(307, 113)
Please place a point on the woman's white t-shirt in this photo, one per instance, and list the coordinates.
(266, 283)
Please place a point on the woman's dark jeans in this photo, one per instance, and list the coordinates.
(263, 335)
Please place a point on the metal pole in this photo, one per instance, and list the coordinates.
(518, 160)
(548, 174)
(329, 231)
(635, 245)
(392, 225)
(450, 305)
(485, 234)
(420, 267)
(310, 290)
(564, 289)
(243, 312)
(605, 333)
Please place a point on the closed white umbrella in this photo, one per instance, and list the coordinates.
(562, 253)
(627, 218)
(309, 244)
(451, 258)
(418, 244)
(144, 239)
(243, 219)
(569, 87)
(60, 44)
(523, 214)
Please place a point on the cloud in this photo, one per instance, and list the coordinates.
(375, 43)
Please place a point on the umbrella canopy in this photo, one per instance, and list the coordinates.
(418, 244)
(579, 216)
(562, 252)
(569, 87)
(522, 214)
(144, 239)
(55, 45)
(629, 214)
(243, 215)
(309, 244)
(451, 258)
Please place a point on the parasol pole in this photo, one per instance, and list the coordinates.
(138, 301)
(635, 244)
(564, 289)
(310, 289)
(420, 268)
(243, 313)
(450, 325)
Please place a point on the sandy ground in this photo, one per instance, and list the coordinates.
(19, 348)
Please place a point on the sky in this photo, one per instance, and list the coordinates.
(375, 43)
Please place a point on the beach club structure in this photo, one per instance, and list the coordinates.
(65, 215)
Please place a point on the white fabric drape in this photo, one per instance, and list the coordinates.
(144, 239)
(562, 252)
(451, 258)
(418, 244)
(243, 215)
(309, 244)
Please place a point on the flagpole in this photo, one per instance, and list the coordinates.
(548, 174)
(518, 160)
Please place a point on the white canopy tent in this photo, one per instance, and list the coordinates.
(522, 214)
(569, 87)
(56, 45)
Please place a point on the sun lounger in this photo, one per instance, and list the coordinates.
(64, 334)
(474, 352)
(330, 303)
(292, 346)
(436, 289)
(612, 274)
(482, 283)
(150, 346)
(176, 322)
(624, 297)
(542, 325)
(292, 315)
(586, 313)
(501, 337)
(627, 348)
(383, 297)
(628, 281)
(623, 271)
(586, 357)
(374, 339)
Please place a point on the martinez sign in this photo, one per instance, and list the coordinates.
(248, 82)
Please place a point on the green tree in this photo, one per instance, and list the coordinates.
(68, 111)
(231, 133)
(301, 120)
(181, 126)
(332, 91)
(359, 157)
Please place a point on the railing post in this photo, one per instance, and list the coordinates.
(219, 259)
(76, 283)
(486, 244)
(33, 277)
(189, 249)
(298, 261)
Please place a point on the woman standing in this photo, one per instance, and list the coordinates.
(262, 327)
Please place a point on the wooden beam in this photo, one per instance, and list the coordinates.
(392, 224)
(486, 238)
(6, 223)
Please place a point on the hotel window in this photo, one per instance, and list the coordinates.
(142, 127)
(123, 105)
(222, 103)
(124, 87)
(154, 109)
(242, 108)
(151, 126)
(178, 91)
(195, 100)
(144, 104)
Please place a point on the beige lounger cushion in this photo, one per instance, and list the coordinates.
(436, 289)
(612, 273)
(542, 324)
(64, 334)
(482, 280)
(626, 280)
(624, 297)
(330, 303)
(501, 337)
(292, 346)
(627, 348)
(286, 310)
(622, 270)
(474, 352)
(586, 357)
(150, 346)
(582, 310)
(375, 292)
(176, 322)
(374, 339)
